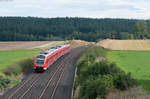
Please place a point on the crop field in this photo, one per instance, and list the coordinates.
(22, 45)
(125, 44)
(135, 62)
(9, 57)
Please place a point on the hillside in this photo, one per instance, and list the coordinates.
(37, 29)
(125, 44)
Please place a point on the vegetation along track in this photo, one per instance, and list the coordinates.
(45, 85)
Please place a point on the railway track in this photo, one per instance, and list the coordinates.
(43, 86)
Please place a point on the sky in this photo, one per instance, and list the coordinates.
(133, 9)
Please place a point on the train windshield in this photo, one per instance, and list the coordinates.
(40, 56)
(40, 60)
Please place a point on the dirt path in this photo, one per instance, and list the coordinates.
(55, 83)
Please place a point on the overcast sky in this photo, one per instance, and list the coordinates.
(139, 9)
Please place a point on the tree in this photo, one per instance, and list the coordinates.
(89, 29)
(140, 29)
(148, 26)
(124, 35)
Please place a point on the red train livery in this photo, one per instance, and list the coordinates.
(48, 57)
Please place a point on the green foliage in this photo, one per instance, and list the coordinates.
(96, 78)
(135, 62)
(123, 81)
(148, 26)
(125, 35)
(100, 77)
(93, 88)
(89, 29)
(21, 66)
(101, 68)
(89, 56)
(4, 82)
(140, 30)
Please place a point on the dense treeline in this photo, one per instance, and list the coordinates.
(31, 28)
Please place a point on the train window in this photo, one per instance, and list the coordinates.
(40, 61)
(53, 48)
(40, 56)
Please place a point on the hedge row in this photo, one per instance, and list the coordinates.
(97, 78)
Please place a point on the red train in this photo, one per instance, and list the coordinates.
(48, 57)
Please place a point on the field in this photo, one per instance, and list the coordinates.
(125, 44)
(21, 45)
(9, 57)
(135, 62)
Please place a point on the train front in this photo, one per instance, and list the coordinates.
(39, 62)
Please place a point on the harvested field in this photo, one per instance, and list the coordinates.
(125, 44)
(21, 45)
(43, 45)
(77, 43)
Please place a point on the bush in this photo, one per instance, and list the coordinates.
(4, 82)
(100, 68)
(124, 81)
(93, 88)
(96, 78)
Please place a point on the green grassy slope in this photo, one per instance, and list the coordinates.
(136, 62)
(9, 57)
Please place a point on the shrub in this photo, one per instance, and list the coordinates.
(27, 64)
(93, 88)
(96, 78)
(100, 68)
(123, 81)
(4, 82)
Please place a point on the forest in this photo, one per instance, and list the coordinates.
(89, 29)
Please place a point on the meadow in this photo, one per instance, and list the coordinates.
(135, 62)
(9, 57)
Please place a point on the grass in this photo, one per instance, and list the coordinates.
(7, 58)
(135, 62)
(14, 62)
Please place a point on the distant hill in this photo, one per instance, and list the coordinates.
(89, 29)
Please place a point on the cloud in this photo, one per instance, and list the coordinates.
(82, 8)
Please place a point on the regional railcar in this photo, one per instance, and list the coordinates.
(44, 59)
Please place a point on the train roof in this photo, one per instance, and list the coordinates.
(46, 52)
